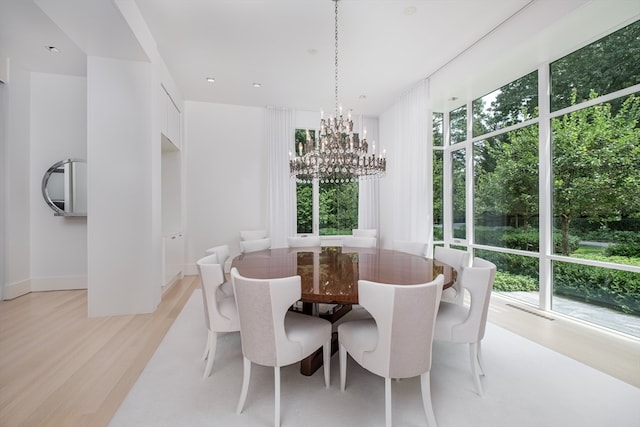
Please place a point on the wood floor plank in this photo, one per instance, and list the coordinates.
(60, 368)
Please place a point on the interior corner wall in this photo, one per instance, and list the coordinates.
(122, 265)
(16, 163)
(3, 184)
(226, 175)
(58, 130)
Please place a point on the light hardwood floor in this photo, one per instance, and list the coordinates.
(60, 368)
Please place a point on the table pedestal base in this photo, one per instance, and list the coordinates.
(313, 362)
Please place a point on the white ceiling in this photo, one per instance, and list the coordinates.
(288, 45)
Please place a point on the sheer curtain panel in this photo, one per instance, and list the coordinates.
(282, 189)
(369, 189)
(407, 127)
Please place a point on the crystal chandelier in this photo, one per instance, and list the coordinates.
(336, 155)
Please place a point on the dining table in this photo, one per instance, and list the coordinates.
(329, 276)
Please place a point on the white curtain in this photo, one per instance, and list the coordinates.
(282, 189)
(368, 188)
(407, 124)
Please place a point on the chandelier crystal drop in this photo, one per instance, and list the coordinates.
(337, 154)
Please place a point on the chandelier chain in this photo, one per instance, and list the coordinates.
(335, 154)
(336, 63)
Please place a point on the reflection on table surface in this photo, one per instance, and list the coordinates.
(330, 274)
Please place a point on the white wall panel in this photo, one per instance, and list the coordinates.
(123, 264)
(58, 131)
(226, 175)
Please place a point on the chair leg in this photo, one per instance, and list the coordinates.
(343, 366)
(245, 384)
(387, 401)
(213, 342)
(206, 348)
(480, 362)
(425, 386)
(276, 374)
(475, 366)
(326, 361)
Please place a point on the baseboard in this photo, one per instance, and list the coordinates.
(14, 290)
(63, 283)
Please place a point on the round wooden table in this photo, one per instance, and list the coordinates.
(330, 274)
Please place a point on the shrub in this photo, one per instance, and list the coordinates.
(631, 250)
(507, 282)
(616, 289)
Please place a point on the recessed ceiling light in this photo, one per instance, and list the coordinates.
(410, 10)
(257, 85)
(211, 79)
(363, 97)
(52, 49)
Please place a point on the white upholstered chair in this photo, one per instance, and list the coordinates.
(461, 324)
(397, 341)
(308, 241)
(223, 255)
(364, 232)
(220, 312)
(272, 335)
(253, 234)
(359, 242)
(247, 246)
(457, 259)
(414, 248)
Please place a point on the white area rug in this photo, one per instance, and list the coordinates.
(526, 385)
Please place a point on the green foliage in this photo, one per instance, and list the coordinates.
(590, 68)
(516, 265)
(596, 163)
(631, 250)
(616, 289)
(304, 203)
(520, 238)
(613, 236)
(338, 208)
(507, 282)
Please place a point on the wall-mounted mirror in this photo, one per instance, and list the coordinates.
(64, 187)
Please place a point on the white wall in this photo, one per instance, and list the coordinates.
(226, 175)
(124, 260)
(16, 170)
(58, 131)
(3, 182)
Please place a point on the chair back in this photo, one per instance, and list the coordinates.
(359, 242)
(253, 234)
(405, 318)
(364, 232)
(220, 309)
(478, 281)
(248, 246)
(414, 248)
(308, 241)
(222, 252)
(262, 306)
(456, 258)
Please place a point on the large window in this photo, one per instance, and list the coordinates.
(556, 184)
(603, 67)
(506, 201)
(458, 167)
(438, 168)
(332, 206)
